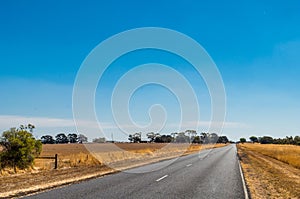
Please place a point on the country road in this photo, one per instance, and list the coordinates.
(209, 174)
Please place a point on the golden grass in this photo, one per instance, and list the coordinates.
(69, 155)
(289, 154)
(266, 172)
(73, 155)
(76, 163)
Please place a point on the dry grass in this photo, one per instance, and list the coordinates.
(73, 155)
(77, 163)
(69, 155)
(289, 154)
(268, 173)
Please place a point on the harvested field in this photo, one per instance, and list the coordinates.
(72, 155)
(76, 163)
(271, 171)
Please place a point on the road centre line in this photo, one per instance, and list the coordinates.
(159, 179)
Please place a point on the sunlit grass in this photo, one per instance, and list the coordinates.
(289, 154)
(74, 155)
(271, 171)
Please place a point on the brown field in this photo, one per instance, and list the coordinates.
(73, 155)
(76, 163)
(271, 171)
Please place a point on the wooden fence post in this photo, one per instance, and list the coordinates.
(55, 164)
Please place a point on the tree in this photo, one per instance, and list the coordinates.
(47, 139)
(286, 140)
(253, 139)
(99, 140)
(151, 136)
(30, 127)
(297, 140)
(223, 139)
(182, 138)
(163, 139)
(61, 138)
(19, 148)
(166, 138)
(213, 138)
(25, 127)
(191, 133)
(289, 140)
(203, 137)
(265, 140)
(72, 137)
(130, 138)
(197, 139)
(82, 138)
(174, 135)
(242, 140)
(136, 137)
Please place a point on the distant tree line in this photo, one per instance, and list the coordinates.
(62, 138)
(270, 140)
(188, 136)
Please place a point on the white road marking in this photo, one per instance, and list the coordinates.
(189, 165)
(159, 179)
(243, 180)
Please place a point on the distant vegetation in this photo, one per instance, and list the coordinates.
(242, 140)
(188, 136)
(62, 138)
(99, 140)
(270, 140)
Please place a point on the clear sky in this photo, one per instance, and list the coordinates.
(255, 45)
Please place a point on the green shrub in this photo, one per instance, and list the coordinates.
(19, 149)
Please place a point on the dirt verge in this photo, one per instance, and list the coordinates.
(267, 177)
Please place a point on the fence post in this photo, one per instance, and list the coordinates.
(55, 164)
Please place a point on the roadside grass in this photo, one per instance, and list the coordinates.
(267, 173)
(289, 154)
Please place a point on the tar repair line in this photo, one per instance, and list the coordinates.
(159, 179)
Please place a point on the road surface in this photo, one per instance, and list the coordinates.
(209, 174)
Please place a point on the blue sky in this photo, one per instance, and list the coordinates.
(255, 45)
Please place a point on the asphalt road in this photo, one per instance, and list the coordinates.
(210, 174)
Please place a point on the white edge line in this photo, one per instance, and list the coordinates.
(159, 179)
(243, 179)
